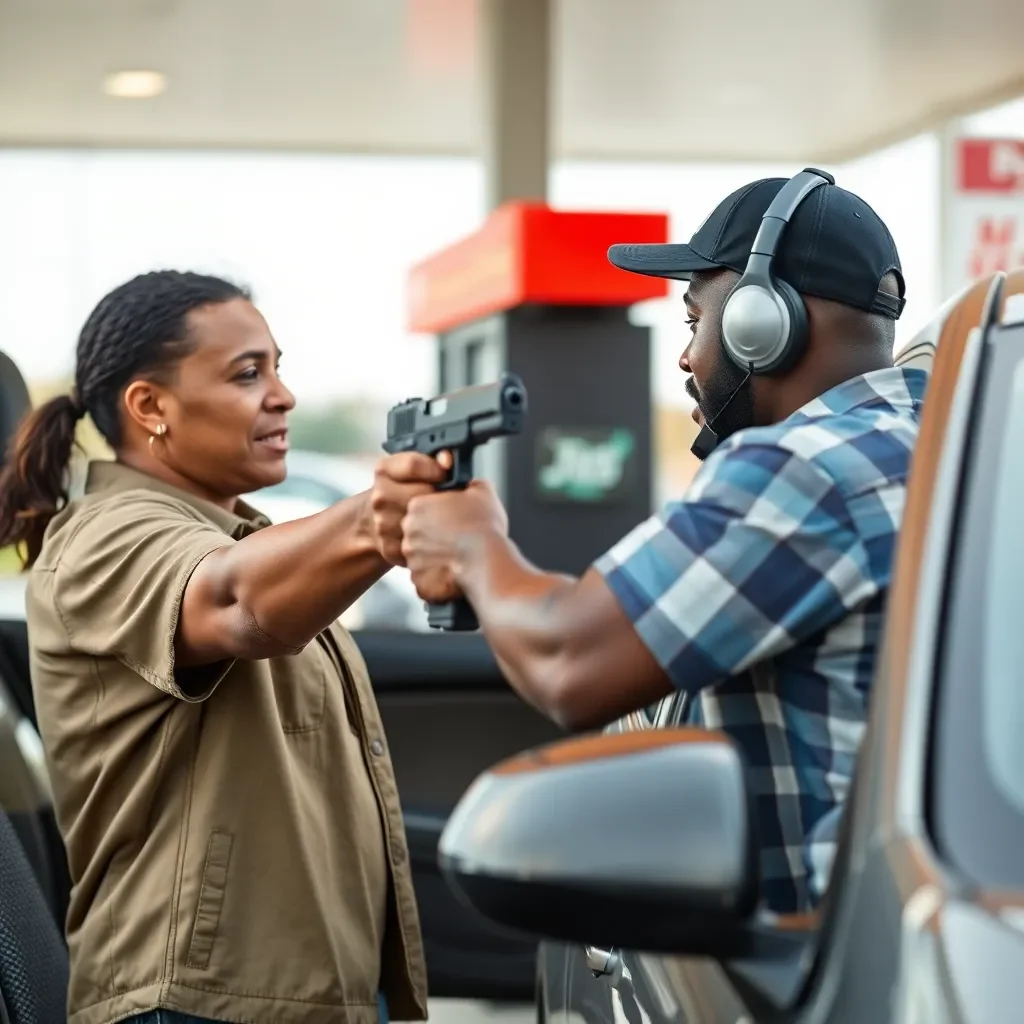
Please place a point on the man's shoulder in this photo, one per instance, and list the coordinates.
(765, 473)
(856, 450)
(757, 458)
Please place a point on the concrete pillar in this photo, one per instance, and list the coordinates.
(949, 281)
(516, 54)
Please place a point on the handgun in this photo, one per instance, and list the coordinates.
(459, 422)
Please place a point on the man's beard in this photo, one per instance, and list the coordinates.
(711, 398)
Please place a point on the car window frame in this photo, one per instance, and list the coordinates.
(975, 827)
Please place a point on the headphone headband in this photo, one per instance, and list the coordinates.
(764, 323)
(781, 209)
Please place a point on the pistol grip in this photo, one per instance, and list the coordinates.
(452, 616)
(455, 616)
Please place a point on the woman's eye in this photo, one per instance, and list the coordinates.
(691, 322)
(249, 374)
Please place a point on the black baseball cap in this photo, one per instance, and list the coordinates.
(835, 247)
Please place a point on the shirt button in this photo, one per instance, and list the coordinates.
(377, 748)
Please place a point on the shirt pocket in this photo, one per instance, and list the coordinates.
(300, 684)
(206, 923)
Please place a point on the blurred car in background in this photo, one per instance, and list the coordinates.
(12, 597)
(315, 482)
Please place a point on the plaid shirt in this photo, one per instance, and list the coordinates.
(761, 595)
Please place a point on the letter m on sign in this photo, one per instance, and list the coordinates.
(993, 247)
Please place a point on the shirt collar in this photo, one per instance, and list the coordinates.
(115, 477)
(900, 387)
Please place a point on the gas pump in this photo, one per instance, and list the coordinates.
(531, 292)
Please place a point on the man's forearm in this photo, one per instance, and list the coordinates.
(295, 579)
(564, 644)
(522, 614)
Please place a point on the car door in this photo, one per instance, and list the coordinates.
(448, 715)
(924, 914)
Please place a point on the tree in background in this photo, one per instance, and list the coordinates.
(343, 426)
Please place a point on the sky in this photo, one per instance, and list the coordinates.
(326, 242)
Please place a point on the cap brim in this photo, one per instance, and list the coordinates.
(676, 260)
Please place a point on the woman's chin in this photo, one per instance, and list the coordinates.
(266, 473)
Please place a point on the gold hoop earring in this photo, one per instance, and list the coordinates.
(160, 431)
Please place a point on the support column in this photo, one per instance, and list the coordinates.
(516, 51)
(948, 275)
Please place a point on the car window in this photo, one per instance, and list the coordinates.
(977, 797)
(1003, 625)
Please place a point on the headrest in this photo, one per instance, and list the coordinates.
(939, 345)
(14, 400)
(955, 317)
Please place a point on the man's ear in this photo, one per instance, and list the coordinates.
(144, 403)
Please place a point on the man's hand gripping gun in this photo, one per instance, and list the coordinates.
(458, 422)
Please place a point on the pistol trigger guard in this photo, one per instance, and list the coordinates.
(461, 471)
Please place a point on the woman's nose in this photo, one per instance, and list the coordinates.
(281, 398)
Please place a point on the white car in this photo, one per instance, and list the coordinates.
(315, 482)
(12, 597)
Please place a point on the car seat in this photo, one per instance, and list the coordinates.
(33, 959)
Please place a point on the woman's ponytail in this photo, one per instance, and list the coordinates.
(34, 479)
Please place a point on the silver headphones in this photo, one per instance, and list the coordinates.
(764, 320)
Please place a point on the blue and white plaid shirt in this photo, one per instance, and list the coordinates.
(761, 594)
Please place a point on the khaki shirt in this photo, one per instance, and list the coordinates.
(237, 853)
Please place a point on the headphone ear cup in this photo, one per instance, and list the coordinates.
(752, 326)
(797, 343)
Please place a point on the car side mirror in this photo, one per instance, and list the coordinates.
(643, 840)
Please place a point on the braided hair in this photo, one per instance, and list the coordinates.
(139, 329)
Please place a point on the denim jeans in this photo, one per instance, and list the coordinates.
(171, 1017)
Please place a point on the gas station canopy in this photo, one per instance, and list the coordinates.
(674, 80)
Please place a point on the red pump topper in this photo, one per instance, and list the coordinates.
(532, 292)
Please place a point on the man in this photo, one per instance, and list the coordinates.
(754, 603)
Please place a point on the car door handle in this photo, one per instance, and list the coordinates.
(601, 962)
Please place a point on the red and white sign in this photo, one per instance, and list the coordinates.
(984, 210)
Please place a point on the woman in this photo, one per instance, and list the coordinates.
(219, 767)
